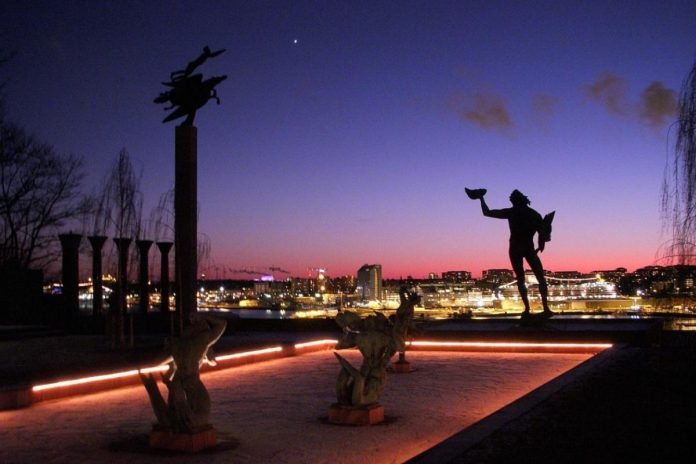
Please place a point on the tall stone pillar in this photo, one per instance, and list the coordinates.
(185, 227)
(164, 248)
(144, 292)
(122, 245)
(97, 242)
(70, 244)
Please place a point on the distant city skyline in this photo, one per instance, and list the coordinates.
(347, 131)
(444, 274)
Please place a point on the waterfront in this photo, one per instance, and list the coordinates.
(672, 321)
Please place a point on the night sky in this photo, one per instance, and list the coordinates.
(348, 130)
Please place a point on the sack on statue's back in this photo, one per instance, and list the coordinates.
(545, 228)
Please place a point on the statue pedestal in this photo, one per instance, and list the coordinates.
(400, 367)
(202, 438)
(356, 415)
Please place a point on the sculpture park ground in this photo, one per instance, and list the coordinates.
(631, 405)
(275, 411)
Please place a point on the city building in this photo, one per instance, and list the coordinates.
(369, 282)
(660, 281)
(566, 274)
(497, 276)
(614, 276)
(456, 276)
(344, 284)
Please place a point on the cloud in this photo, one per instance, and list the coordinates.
(610, 91)
(543, 109)
(488, 111)
(544, 105)
(658, 104)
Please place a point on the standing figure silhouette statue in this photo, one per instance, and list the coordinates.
(524, 223)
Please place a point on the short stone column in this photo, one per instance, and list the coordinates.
(144, 291)
(119, 311)
(97, 242)
(164, 248)
(70, 244)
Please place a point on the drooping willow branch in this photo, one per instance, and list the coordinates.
(678, 201)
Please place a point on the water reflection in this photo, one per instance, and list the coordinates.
(244, 313)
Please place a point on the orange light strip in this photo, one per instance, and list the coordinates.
(150, 370)
(316, 343)
(94, 378)
(134, 372)
(599, 346)
(274, 349)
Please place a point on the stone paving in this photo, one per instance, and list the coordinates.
(276, 411)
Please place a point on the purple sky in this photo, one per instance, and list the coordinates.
(353, 145)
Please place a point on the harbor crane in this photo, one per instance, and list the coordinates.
(258, 270)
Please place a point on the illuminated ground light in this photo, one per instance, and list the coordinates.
(122, 378)
(315, 343)
(245, 354)
(86, 380)
(512, 347)
(503, 345)
(94, 383)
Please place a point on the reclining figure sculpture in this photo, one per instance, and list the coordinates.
(188, 405)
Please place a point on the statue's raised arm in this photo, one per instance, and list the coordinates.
(176, 75)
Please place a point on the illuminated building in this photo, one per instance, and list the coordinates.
(343, 284)
(370, 282)
(497, 276)
(320, 280)
(456, 276)
(564, 288)
(613, 276)
(661, 280)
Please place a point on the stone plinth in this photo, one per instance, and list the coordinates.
(164, 248)
(202, 438)
(118, 311)
(356, 415)
(97, 242)
(15, 397)
(70, 244)
(400, 367)
(144, 289)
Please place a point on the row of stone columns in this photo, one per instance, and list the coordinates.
(70, 244)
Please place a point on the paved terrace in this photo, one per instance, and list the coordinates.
(632, 404)
(275, 411)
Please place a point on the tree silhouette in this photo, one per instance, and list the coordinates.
(118, 209)
(162, 221)
(679, 183)
(39, 194)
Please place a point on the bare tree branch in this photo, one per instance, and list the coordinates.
(678, 200)
(39, 194)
